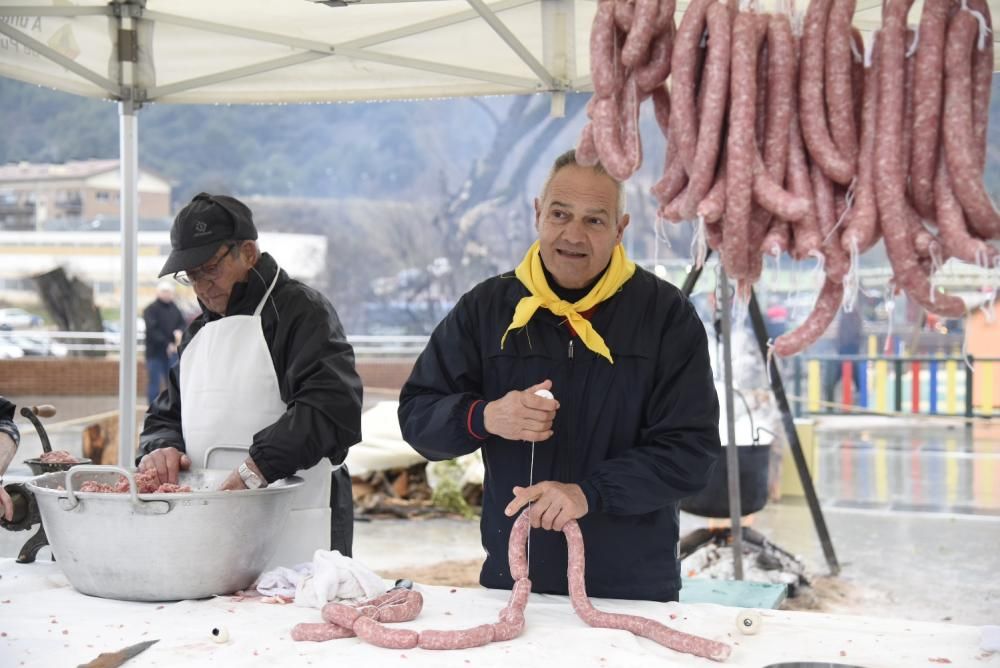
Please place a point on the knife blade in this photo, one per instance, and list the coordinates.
(115, 659)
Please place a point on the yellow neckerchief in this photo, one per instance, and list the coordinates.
(532, 275)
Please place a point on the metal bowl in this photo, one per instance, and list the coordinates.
(38, 467)
(160, 547)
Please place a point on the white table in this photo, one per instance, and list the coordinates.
(45, 623)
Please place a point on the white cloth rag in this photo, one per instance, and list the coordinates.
(330, 577)
(989, 640)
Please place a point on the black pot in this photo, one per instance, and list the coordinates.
(713, 501)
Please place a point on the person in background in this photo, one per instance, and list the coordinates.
(10, 438)
(265, 372)
(633, 427)
(164, 328)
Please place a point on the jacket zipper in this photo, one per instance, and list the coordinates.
(568, 458)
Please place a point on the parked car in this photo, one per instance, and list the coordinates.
(18, 318)
(37, 346)
(8, 351)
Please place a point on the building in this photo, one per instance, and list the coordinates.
(95, 258)
(73, 195)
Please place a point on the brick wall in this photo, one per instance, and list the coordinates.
(99, 377)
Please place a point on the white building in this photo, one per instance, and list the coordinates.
(95, 257)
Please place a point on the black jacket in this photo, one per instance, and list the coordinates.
(162, 319)
(316, 378)
(638, 435)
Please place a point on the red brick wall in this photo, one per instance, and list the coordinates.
(99, 377)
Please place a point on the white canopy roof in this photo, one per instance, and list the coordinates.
(264, 51)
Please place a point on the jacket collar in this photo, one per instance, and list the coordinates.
(246, 295)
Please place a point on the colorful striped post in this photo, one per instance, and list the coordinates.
(932, 390)
(881, 386)
(863, 383)
(868, 368)
(847, 382)
(897, 400)
(814, 386)
(951, 387)
(915, 387)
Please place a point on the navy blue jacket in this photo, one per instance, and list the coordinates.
(638, 435)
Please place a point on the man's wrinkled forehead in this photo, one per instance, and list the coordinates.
(577, 185)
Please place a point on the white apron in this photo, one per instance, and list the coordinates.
(229, 392)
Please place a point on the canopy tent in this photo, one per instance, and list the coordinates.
(260, 51)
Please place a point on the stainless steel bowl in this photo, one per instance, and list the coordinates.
(160, 547)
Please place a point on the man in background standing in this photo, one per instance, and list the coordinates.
(164, 327)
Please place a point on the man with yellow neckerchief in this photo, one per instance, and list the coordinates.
(633, 427)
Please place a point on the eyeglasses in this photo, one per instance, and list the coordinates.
(207, 272)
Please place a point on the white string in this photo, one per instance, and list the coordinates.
(870, 49)
(849, 202)
(984, 29)
(936, 264)
(852, 281)
(858, 56)
(916, 40)
(965, 350)
(699, 247)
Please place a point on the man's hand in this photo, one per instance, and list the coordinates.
(234, 481)
(167, 462)
(6, 504)
(553, 504)
(520, 415)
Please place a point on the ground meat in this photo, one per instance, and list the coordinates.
(58, 457)
(145, 481)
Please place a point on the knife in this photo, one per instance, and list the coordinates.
(115, 659)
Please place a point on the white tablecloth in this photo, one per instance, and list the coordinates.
(45, 623)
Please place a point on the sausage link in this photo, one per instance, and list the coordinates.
(684, 81)
(960, 142)
(982, 81)
(636, 48)
(624, 14)
(806, 233)
(861, 225)
(508, 630)
(955, 237)
(586, 149)
(837, 263)
(775, 199)
(839, 89)
(824, 311)
(647, 628)
(890, 189)
(516, 548)
(812, 105)
(603, 69)
(320, 632)
(909, 104)
(477, 636)
(376, 634)
(927, 97)
(654, 73)
(716, 90)
(740, 146)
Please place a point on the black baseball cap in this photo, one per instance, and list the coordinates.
(202, 227)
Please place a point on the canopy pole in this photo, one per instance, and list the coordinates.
(128, 146)
(731, 452)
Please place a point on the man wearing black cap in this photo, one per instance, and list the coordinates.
(265, 385)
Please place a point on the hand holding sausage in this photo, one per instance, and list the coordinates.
(521, 416)
(554, 504)
(167, 462)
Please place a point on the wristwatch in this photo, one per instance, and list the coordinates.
(250, 479)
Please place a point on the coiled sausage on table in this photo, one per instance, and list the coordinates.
(365, 619)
